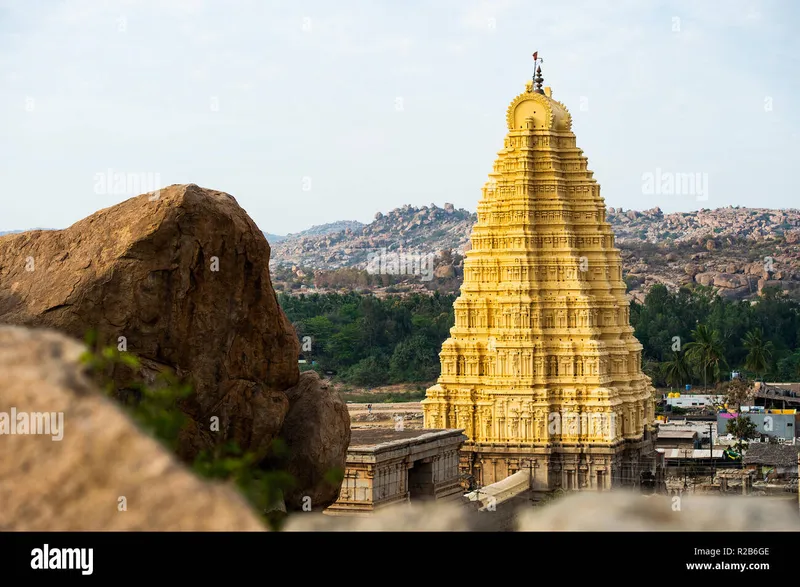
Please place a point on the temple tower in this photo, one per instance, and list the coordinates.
(541, 369)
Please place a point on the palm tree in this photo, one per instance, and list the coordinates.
(706, 351)
(759, 352)
(677, 370)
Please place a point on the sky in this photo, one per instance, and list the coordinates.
(312, 112)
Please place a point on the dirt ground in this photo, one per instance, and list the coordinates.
(406, 414)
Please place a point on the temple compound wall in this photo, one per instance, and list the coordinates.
(388, 467)
(541, 369)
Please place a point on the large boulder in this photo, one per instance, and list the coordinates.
(758, 269)
(738, 293)
(731, 280)
(693, 269)
(706, 278)
(444, 272)
(317, 434)
(179, 278)
(91, 469)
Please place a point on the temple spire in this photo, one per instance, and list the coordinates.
(581, 411)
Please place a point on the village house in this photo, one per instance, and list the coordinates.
(772, 461)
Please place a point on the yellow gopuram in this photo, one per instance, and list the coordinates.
(541, 369)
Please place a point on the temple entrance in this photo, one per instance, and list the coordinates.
(420, 482)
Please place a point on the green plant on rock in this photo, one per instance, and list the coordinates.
(264, 489)
(155, 407)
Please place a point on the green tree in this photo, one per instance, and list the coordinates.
(371, 372)
(415, 359)
(743, 429)
(759, 352)
(707, 353)
(788, 368)
(677, 371)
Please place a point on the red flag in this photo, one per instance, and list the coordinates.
(535, 55)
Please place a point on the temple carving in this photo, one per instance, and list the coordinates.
(541, 370)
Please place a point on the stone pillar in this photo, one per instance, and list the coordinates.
(747, 484)
(367, 487)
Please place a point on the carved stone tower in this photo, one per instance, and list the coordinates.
(541, 369)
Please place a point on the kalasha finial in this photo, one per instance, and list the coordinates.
(537, 78)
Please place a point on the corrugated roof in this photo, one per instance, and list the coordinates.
(697, 453)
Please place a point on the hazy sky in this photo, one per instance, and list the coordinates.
(311, 112)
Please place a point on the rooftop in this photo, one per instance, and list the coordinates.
(697, 453)
(374, 437)
(667, 433)
(784, 455)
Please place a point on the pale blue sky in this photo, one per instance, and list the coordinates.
(310, 90)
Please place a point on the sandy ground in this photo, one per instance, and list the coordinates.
(386, 415)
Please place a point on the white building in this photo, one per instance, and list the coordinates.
(695, 401)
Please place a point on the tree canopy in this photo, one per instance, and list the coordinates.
(689, 337)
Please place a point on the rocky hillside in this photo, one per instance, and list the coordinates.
(317, 230)
(736, 250)
(414, 230)
(752, 224)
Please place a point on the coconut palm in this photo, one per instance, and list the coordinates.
(676, 370)
(706, 351)
(759, 352)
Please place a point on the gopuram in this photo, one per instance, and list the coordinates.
(541, 369)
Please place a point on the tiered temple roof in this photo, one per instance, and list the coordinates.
(542, 334)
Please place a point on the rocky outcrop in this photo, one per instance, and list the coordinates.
(665, 247)
(415, 230)
(445, 272)
(732, 281)
(317, 433)
(731, 286)
(706, 279)
(179, 278)
(103, 474)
